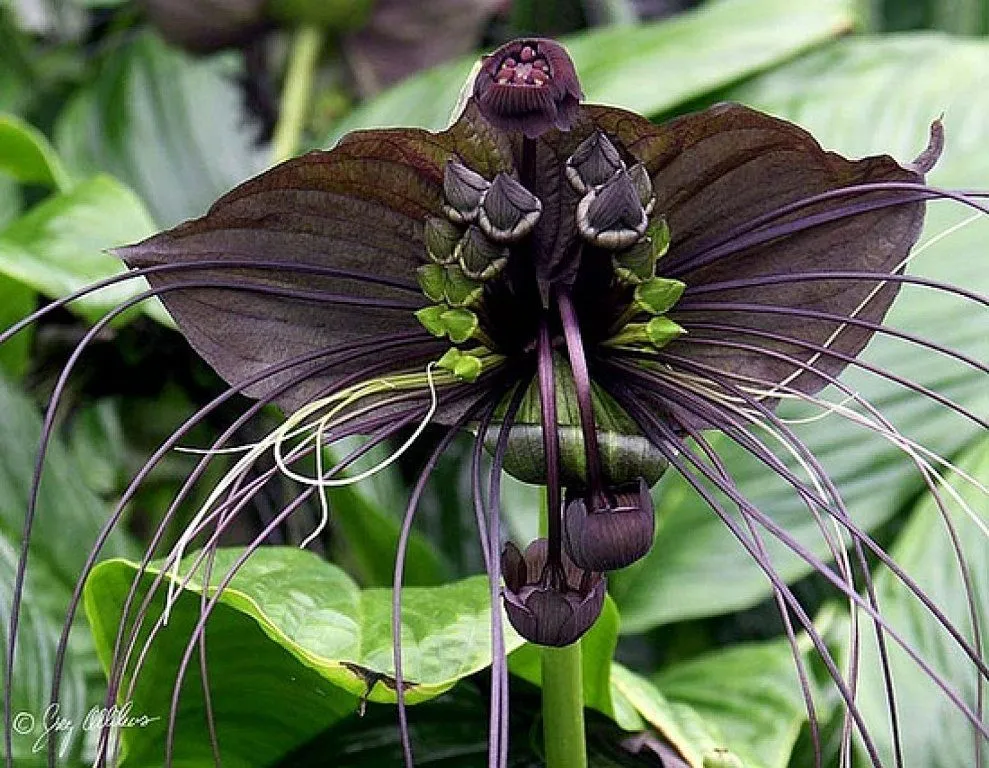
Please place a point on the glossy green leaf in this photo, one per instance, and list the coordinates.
(933, 731)
(692, 735)
(849, 96)
(648, 68)
(16, 301)
(266, 701)
(296, 613)
(169, 126)
(69, 515)
(40, 624)
(597, 649)
(26, 155)
(59, 246)
(750, 692)
(67, 522)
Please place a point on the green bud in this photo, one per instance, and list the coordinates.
(661, 331)
(658, 332)
(432, 280)
(719, 757)
(461, 291)
(432, 319)
(459, 324)
(635, 264)
(463, 365)
(658, 295)
(441, 240)
(659, 235)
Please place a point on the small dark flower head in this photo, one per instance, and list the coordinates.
(529, 85)
(610, 530)
(549, 603)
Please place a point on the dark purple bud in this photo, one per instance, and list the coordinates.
(604, 533)
(480, 259)
(528, 85)
(643, 187)
(612, 216)
(593, 162)
(441, 240)
(508, 210)
(547, 605)
(204, 26)
(463, 189)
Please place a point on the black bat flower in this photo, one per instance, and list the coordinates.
(587, 292)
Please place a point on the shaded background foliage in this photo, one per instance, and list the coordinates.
(109, 131)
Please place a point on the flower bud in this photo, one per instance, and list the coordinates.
(479, 258)
(593, 162)
(441, 240)
(463, 189)
(603, 534)
(508, 210)
(635, 265)
(549, 608)
(643, 187)
(611, 216)
(528, 85)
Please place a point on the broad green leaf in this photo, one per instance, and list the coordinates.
(16, 301)
(171, 127)
(67, 521)
(933, 731)
(59, 246)
(26, 155)
(597, 649)
(648, 68)
(266, 702)
(306, 627)
(684, 728)
(850, 97)
(751, 692)
(40, 624)
(69, 515)
(452, 732)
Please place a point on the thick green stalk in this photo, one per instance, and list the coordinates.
(296, 92)
(563, 708)
(563, 696)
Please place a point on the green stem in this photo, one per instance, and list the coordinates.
(563, 695)
(563, 708)
(296, 92)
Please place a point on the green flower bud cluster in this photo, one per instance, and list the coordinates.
(468, 248)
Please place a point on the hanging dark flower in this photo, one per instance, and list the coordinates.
(546, 604)
(586, 291)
